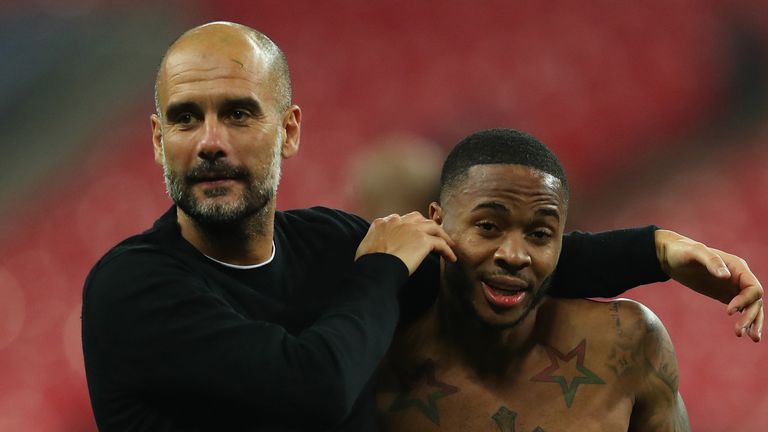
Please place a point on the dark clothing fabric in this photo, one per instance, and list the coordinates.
(174, 341)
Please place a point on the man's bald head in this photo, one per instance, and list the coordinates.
(214, 35)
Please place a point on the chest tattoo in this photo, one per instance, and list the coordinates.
(425, 403)
(505, 420)
(554, 373)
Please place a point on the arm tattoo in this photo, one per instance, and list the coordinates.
(666, 371)
(636, 345)
(642, 349)
(626, 353)
(569, 390)
(505, 420)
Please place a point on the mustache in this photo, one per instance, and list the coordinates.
(218, 169)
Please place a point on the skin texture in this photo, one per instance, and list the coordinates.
(471, 364)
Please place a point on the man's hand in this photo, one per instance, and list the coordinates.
(715, 274)
(411, 238)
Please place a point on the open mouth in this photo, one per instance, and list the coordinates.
(505, 292)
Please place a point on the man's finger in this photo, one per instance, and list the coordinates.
(413, 216)
(716, 266)
(432, 228)
(750, 291)
(748, 317)
(441, 246)
(756, 329)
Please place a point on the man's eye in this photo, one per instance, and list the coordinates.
(239, 114)
(541, 234)
(185, 118)
(486, 226)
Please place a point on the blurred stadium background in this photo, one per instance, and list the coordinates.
(658, 109)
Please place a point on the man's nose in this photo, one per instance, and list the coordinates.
(513, 252)
(212, 144)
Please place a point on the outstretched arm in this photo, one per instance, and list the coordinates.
(606, 264)
(715, 274)
(609, 263)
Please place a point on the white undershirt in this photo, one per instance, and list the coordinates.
(247, 267)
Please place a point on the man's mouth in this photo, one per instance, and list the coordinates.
(505, 291)
(216, 174)
(213, 179)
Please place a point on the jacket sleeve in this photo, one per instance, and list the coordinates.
(151, 324)
(606, 264)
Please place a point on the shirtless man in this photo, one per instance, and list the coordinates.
(494, 353)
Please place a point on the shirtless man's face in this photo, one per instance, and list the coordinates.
(507, 222)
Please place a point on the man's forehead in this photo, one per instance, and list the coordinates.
(508, 179)
(221, 36)
(243, 55)
(201, 65)
(482, 173)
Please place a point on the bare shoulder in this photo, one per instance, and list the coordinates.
(628, 320)
(635, 321)
(640, 344)
(633, 337)
(644, 352)
(623, 319)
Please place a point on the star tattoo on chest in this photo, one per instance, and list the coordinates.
(568, 389)
(427, 404)
(505, 420)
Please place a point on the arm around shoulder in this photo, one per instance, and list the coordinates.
(607, 263)
(151, 325)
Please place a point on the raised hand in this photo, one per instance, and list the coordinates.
(410, 237)
(715, 274)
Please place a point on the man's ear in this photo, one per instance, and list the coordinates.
(436, 213)
(292, 128)
(157, 138)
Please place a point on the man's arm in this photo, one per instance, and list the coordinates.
(609, 263)
(606, 264)
(166, 334)
(658, 405)
(715, 274)
(155, 328)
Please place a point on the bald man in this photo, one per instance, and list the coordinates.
(230, 315)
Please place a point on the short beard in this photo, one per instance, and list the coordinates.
(250, 209)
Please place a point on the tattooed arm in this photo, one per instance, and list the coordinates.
(658, 404)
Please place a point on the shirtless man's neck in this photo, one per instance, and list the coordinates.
(447, 332)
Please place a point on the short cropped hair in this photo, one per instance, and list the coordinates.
(499, 146)
(281, 74)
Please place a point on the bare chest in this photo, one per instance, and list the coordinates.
(557, 393)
